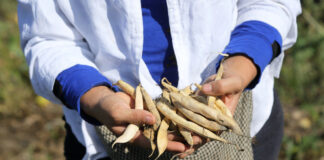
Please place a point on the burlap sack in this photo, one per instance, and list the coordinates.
(212, 150)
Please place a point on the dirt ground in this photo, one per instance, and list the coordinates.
(38, 135)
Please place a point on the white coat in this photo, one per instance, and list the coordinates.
(108, 35)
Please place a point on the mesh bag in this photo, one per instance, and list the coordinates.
(212, 150)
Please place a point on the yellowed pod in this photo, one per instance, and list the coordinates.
(149, 134)
(186, 134)
(127, 88)
(162, 136)
(165, 83)
(187, 91)
(170, 114)
(199, 119)
(220, 104)
(131, 129)
(195, 106)
(152, 108)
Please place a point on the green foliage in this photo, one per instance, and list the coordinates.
(15, 88)
(301, 84)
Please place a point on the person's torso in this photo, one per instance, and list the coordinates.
(114, 32)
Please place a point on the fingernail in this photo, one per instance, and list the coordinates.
(207, 88)
(149, 119)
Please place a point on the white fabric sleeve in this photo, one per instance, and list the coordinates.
(50, 44)
(281, 14)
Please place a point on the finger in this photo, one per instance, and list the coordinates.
(210, 79)
(127, 99)
(121, 113)
(175, 146)
(118, 130)
(140, 140)
(138, 117)
(222, 87)
(175, 137)
(183, 155)
(231, 101)
(197, 140)
(186, 153)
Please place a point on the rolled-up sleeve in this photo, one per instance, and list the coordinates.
(280, 14)
(50, 43)
(264, 29)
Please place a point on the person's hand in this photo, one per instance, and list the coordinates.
(116, 111)
(239, 71)
(198, 142)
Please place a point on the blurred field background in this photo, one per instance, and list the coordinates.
(32, 128)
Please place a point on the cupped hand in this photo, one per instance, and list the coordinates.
(239, 72)
(116, 111)
(198, 141)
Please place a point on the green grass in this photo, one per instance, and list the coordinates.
(301, 86)
(14, 82)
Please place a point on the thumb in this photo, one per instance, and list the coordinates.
(222, 87)
(139, 117)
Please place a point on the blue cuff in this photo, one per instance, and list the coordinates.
(256, 40)
(72, 83)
